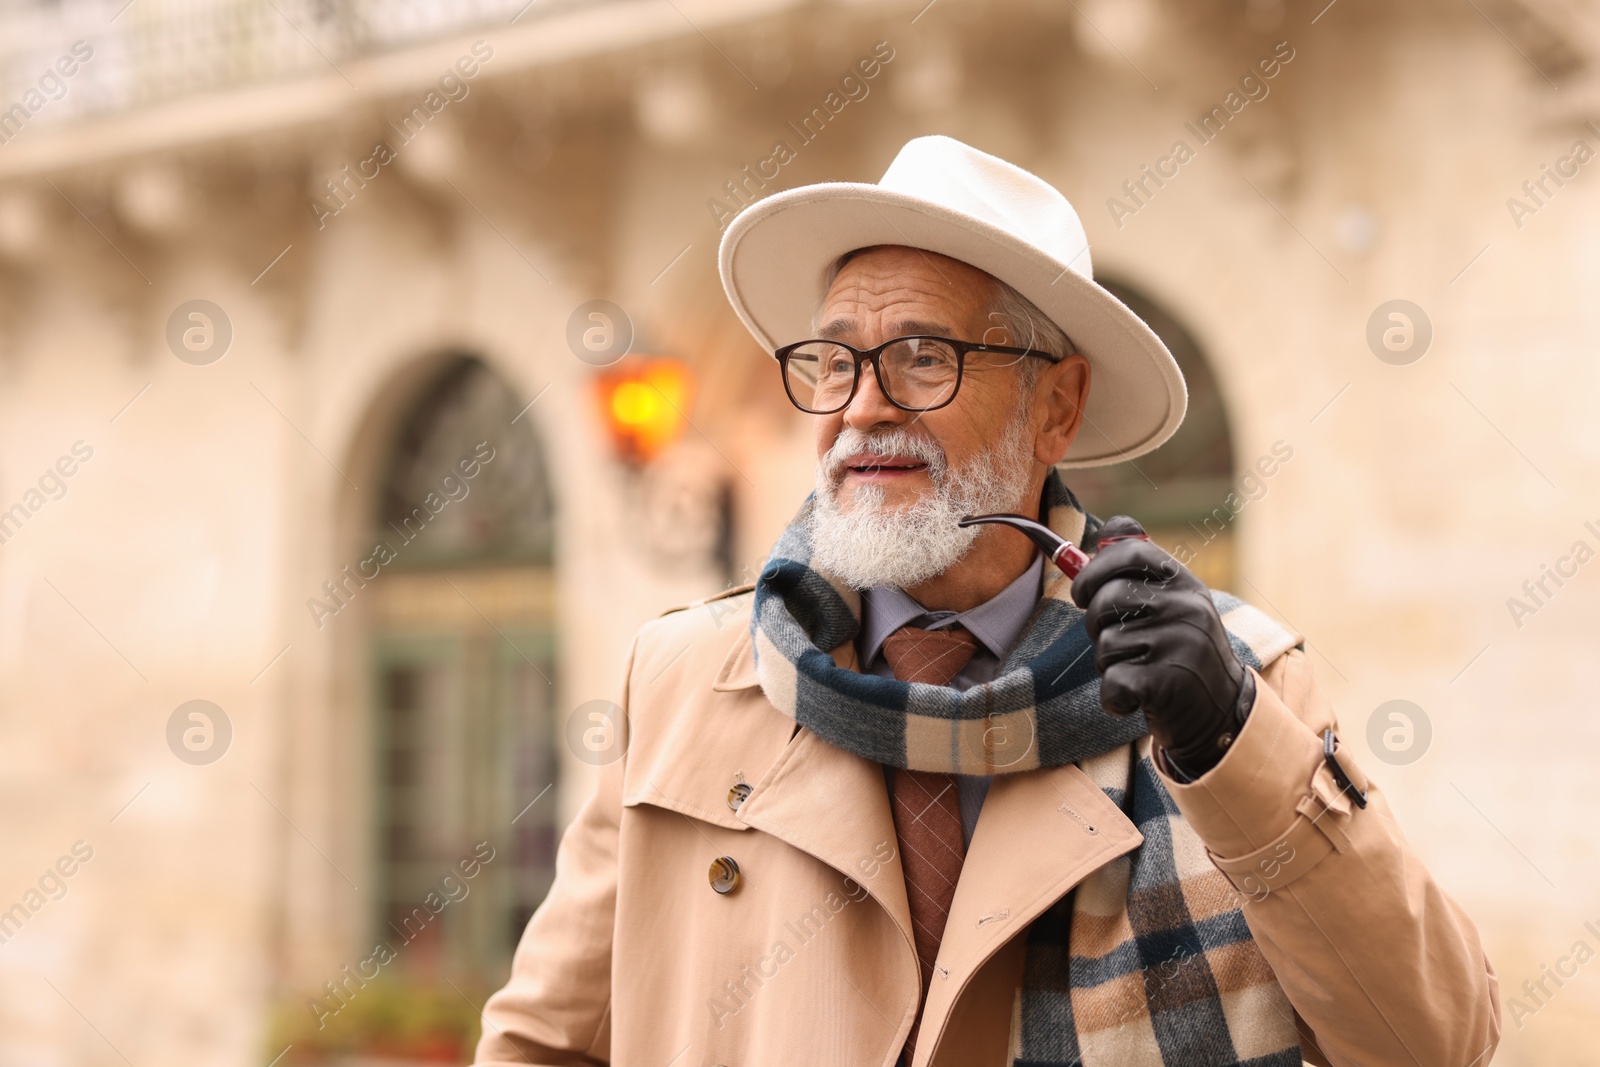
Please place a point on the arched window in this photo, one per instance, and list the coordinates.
(1183, 492)
(464, 670)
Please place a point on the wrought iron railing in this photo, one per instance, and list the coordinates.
(61, 59)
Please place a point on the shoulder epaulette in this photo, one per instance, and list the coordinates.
(737, 590)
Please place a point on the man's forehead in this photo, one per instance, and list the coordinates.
(889, 267)
(839, 328)
(917, 291)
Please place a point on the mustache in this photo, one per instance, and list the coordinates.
(895, 442)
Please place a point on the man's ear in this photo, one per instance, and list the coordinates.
(1062, 391)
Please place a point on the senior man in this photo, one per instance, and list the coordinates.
(886, 806)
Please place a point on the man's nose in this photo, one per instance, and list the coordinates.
(869, 407)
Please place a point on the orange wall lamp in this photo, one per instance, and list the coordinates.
(644, 405)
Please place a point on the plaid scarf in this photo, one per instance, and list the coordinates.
(1149, 959)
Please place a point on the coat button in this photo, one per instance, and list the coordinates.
(737, 794)
(724, 874)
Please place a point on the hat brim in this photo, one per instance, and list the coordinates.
(775, 255)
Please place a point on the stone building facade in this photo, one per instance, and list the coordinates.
(275, 277)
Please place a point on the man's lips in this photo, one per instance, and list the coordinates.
(873, 465)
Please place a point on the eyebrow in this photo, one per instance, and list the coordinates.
(841, 327)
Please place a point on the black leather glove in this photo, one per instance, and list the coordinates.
(1161, 648)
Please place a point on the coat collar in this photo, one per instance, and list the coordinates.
(739, 669)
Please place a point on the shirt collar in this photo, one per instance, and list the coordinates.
(996, 623)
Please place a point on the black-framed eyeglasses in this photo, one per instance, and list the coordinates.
(918, 372)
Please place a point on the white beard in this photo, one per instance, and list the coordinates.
(871, 545)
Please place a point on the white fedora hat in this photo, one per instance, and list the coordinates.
(948, 197)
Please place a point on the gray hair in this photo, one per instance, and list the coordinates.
(1025, 325)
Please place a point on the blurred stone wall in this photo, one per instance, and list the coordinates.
(1436, 480)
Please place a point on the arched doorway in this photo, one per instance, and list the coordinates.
(463, 680)
(1183, 492)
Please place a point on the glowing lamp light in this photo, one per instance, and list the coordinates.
(643, 405)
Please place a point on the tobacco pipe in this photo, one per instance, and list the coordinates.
(1068, 557)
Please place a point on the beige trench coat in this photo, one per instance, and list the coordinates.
(635, 960)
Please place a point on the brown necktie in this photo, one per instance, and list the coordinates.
(927, 817)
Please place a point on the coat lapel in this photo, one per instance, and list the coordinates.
(706, 745)
(827, 802)
(1040, 833)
